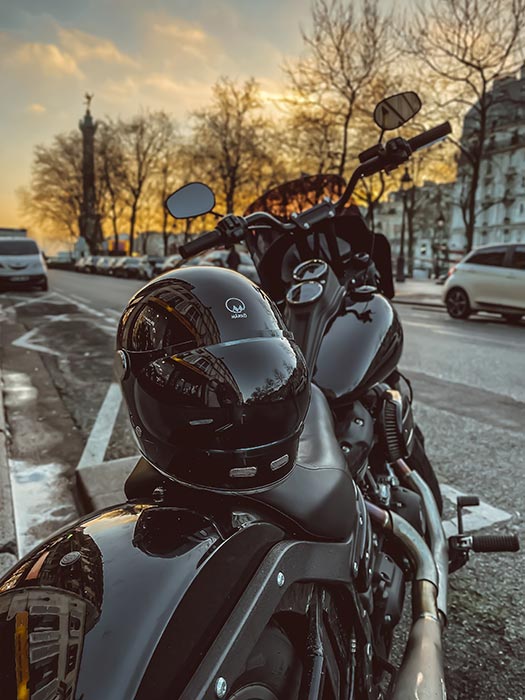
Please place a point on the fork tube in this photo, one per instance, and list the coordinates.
(313, 675)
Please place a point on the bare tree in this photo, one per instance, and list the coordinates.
(468, 45)
(54, 197)
(110, 168)
(171, 167)
(142, 140)
(347, 48)
(230, 140)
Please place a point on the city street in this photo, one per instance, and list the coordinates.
(469, 385)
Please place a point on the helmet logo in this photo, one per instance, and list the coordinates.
(236, 307)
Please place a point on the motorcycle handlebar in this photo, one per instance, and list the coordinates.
(428, 137)
(209, 240)
(203, 242)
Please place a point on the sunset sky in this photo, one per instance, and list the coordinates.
(130, 54)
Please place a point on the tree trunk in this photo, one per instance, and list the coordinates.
(471, 210)
(342, 162)
(410, 226)
(164, 231)
(132, 220)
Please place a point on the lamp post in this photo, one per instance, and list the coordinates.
(440, 223)
(406, 181)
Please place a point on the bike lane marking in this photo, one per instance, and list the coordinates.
(101, 432)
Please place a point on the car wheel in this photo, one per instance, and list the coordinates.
(457, 303)
(44, 286)
(514, 319)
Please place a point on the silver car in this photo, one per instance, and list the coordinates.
(490, 278)
(22, 264)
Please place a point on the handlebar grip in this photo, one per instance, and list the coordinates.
(428, 137)
(204, 242)
(495, 543)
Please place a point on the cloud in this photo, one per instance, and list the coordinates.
(181, 43)
(84, 47)
(36, 108)
(182, 31)
(49, 58)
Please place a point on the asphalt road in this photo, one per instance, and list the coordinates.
(469, 386)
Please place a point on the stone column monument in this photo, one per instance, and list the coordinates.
(89, 221)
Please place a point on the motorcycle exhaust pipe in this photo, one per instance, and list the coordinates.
(438, 540)
(421, 675)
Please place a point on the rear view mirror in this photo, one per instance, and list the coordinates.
(194, 199)
(393, 112)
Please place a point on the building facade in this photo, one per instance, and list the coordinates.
(500, 197)
(428, 215)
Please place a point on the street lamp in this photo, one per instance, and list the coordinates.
(406, 181)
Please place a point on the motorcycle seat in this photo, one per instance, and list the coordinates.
(319, 493)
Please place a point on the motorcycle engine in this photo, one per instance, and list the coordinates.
(395, 425)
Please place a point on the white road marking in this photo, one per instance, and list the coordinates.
(100, 435)
(24, 341)
(18, 389)
(470, 338)
(78, 301)
(475, 518)
(33, 300)
(114, 313)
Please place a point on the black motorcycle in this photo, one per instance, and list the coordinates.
(286, 592)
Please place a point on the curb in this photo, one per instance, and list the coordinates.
(8, 546)
(102, 485)
(414, 302)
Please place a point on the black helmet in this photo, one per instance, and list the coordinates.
(217, 390)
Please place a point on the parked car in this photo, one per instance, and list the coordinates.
(61, 261)
(138, 268)
(114, 261)
(103, 265)
(22, 263)
(156, 262)
(218, 258)
(91, 263)
(170, 263)
(80, 265)
(118, 267)
(489, 278)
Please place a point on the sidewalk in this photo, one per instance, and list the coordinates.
(419, 293)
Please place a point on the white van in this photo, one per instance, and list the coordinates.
(22, 264)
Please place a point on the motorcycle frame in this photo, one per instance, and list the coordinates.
(324, 564)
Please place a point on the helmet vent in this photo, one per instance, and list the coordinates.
(280, 462)
(243, 472)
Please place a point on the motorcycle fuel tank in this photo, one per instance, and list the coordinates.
(360, 348)
(124, 603)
